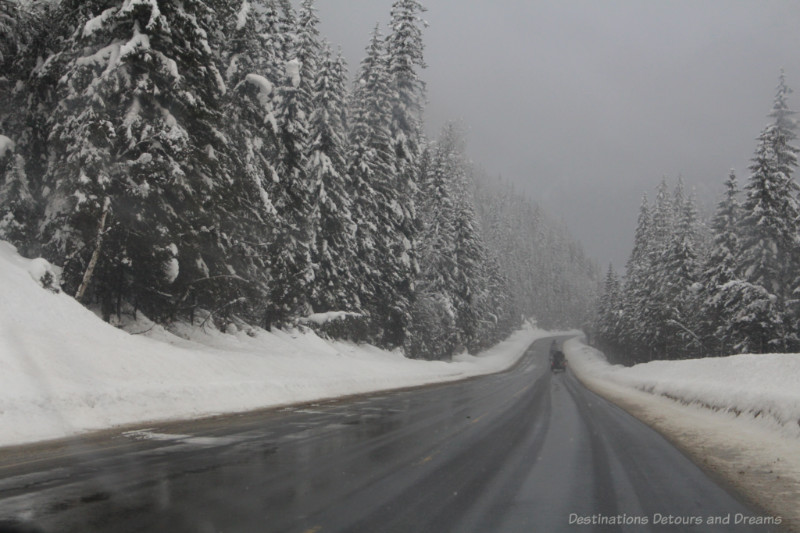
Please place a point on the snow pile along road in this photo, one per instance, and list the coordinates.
(765, 388)
(736, 416)
(64, 371)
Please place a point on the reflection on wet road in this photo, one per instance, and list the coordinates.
(518, 451)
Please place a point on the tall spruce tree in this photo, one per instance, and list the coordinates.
(383, 231)
(635, 290)
(405, 52)
(609, 308)
(470, 278)
(17, 204)
(26, 39)
(404, 60)
(333, 254)
(249, 61)
(769, 227)
(719, 272)
(679, 276)
(291, 240)
(435, 285)
(138, 185)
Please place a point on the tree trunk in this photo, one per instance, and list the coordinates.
(87, 276)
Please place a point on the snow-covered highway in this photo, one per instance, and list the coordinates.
(522, 450)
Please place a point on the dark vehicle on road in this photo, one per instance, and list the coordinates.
(558, 363)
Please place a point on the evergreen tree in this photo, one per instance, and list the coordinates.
(470, 277)
(656, 316)
(719, 271)
(609, 309)
(308, 48)
(17, 205)
(22, 37)
(335, 274)
(249, 62)
(678, 285)
(139, 174)
(277, 40)
(25, 40)
(404, 58)
(12, 42)
(635, 289)
(435, 285)
(286, 25)
(769, 227)
(383, 242)
(10, 14)
(405, 52)
(291, 240)
(469, 251)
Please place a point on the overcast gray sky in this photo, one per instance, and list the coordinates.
(588, 103)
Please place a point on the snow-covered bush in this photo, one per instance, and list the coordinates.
(342, 325)
(45, 274)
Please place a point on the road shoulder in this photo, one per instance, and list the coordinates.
(764, 468)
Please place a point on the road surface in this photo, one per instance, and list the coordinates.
(520, 451)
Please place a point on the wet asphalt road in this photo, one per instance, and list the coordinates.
(521, 451)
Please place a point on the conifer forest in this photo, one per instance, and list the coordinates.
(729, 285)
(217, 160)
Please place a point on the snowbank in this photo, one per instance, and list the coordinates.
(765, 388)
(736, 416)
(63, 371)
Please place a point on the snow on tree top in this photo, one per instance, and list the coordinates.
(241, 18)
(264, 89)
(155, 12)
(139, 42)
(97, 22)
(108, 54)
(293, 71)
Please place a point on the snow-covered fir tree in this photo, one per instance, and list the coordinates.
(609, 311)
(17, 204)
(655, 311)
(435, 284)
(335, 285)
(769, 226)
(25, 41)
(471, 283)
(308, 48)
(139, 176)
(291, 240)
(634, 291)
(403, 61)
(248, 62)
(383, 243)
(405, 53)
(679, 282)
(719, 273)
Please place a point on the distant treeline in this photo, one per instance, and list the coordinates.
(733, 287)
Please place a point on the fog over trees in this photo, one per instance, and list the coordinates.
(173, 157)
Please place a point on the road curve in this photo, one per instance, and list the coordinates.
(520, 451)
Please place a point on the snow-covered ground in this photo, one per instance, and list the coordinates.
(63, 371)
(738, 416)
